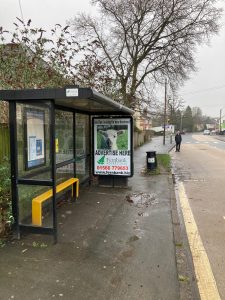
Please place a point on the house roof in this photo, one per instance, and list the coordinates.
(82, 99)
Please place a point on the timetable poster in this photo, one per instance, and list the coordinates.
(35, 138)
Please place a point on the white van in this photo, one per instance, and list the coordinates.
(206, 132)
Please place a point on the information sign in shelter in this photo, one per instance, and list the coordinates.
(34, 134)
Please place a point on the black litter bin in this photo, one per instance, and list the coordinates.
(151, 160)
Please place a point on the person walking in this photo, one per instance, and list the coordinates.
(178, 140)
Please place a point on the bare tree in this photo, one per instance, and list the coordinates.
(93, 72)
(197, 118)
(147, 41)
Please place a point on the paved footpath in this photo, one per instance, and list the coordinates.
(114, 243)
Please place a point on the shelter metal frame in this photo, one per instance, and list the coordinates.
(70, 99)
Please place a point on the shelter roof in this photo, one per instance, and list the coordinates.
(73, 97)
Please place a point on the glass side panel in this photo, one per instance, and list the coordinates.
(82, 168)
(40, 175)
(30, 211)
(64, 173)
(33, 139)
(64, 135)
(82, 146)
(82, 135)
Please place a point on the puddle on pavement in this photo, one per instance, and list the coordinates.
(143, 214)
(139, 233)
(133, 238)
(141, 200)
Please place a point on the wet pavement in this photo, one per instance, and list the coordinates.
(114, 243)
(220, 137)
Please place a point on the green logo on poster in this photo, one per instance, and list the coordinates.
(101, 161)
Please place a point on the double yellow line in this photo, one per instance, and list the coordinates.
(204, 275)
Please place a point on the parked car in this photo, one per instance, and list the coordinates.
(206, 132)
(221, 132)
(213, 132)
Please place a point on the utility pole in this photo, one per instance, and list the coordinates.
(220, 120)
(21, 10)
(181, 121)
(164, 119)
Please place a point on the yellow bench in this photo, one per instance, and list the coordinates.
(37, 201)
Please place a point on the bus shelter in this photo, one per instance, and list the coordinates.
(59, 138)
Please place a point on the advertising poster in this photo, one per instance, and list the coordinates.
(112, 146)
(35, 138)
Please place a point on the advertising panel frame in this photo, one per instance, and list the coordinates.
(119, 161)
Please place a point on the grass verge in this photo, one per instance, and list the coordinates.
(163, 165)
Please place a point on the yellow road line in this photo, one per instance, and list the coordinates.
(205, 279)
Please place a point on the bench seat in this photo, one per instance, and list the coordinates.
(37, 201)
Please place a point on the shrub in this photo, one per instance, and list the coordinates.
(6, 218)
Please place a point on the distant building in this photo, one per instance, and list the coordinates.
(143, 120)
(169, 128)
(210, 126)
(199, 127)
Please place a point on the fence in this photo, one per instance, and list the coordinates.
(141, 137)
(4, 142)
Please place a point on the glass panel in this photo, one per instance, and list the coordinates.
(82, 146)
(82, 135)
(40, 175)
(82, 168)
(64, 135)
(33, 139)
(30, 211)
(64, 173)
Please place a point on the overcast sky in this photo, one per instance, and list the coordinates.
(205, 89)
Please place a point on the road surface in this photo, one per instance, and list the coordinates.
(199, 170)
